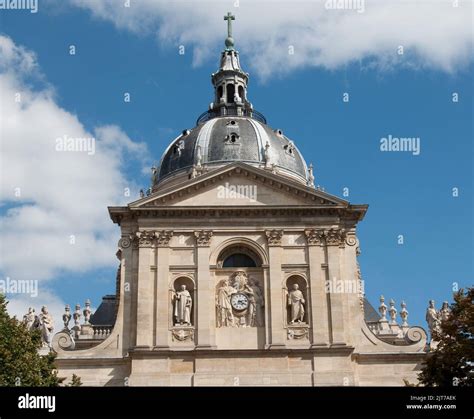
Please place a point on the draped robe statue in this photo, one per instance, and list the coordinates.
(46, 326)
(432, 317)
(183, 303)
(296, 302)
(29, 319)
(225, 316)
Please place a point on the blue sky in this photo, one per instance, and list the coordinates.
(402, 96)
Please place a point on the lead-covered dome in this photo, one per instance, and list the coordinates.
(225, 139)
(230, 131)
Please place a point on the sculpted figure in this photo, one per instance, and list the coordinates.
(46, 326)
(432, 317)
(256, 303)
(224, 309)
(296, 303)
(30, 318)
(183, 303)
(445, 311)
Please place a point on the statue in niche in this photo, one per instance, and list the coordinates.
(46, 325)
(225, 317)
(256, 303)
(183, 304)
(296, 305)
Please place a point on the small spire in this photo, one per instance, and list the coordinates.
(229, 42)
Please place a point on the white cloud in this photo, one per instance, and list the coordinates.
(54, 217)
(434, 33)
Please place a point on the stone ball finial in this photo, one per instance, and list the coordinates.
(229, 42)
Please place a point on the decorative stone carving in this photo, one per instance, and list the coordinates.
(310, 182)
(203, 237)
(125, 242)
(67, 316)
(274, 237)
(225, 316)
(296, 304)
(297, 332)
(266, 154)
(241, 303)
(382, 309)
(182, 335)
(351, 240)
(393, 312)
(146, 238)
(163, 238)
(432, 317)
(255, 317)
(87, 312)
(29, 319)
(314, 237)
(335, 237)
(46, 325)
(404, 314)
(445, 311)
(77, 317)
(183, 304)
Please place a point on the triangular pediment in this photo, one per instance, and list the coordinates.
(239, 184)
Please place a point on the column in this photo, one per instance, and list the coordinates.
(163, 303)
(335, 239)
(317, 285)
(206, 311)
(275, 290)
(145, 290)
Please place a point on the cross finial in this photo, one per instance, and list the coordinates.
(230, 17)
(229, 42)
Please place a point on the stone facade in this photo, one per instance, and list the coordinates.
(236, 270)
(182, 237)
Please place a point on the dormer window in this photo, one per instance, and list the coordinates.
(232, 138)
(290, 148)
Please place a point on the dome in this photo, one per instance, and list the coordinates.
(226, 139)
(230, 131)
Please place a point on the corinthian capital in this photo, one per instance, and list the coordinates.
(163, 237)
(274, 237)
(335, 237)
(146, 238)
(203, 237)
(314, 237)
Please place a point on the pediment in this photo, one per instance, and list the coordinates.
(239, 185)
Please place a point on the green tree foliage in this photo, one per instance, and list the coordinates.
(20, 363)
(452, 362)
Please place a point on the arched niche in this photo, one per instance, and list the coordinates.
(303, 287)
(230, 88)
(241, 92)
(175, 287)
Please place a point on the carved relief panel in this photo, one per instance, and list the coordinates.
(239, 301)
